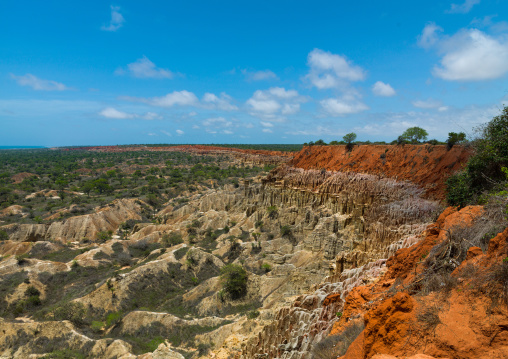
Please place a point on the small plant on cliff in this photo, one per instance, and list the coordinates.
(285, 231)
(233, 279)
(272, 211)
(3, 236)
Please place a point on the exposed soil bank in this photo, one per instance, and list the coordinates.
(426, 165)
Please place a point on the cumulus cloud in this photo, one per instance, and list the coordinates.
(259, 75)
(217, 122)
(144, 68)
(166, 133)
(117, 20)
(382, 89)
(267, 130)
(346, 105)
(266, 124)
(222, 103)
(429, 36)
(39, 84)
(471, 55)
(272, 103)
(329, 70)
(179, 132)
(463, 8)
(181, 98)
(112, 113)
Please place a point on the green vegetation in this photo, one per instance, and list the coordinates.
(486, 170)
(414, 135)
(234, 280)
(57, 184)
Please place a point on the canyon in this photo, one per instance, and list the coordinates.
(348, 253)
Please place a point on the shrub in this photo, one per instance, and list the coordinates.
(272, 211)
(72, 311)
(234, 280)
(104, 236)
(253, 314)
(113, 318)
(3, 235)
(266, 267)
(32, 291)
(21, 258)
(484, 171)
(285, 231)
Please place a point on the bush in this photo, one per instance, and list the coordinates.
(3, 235)
(104, 236)
(285, 231)
(172, 239)
(484, 171)
(266, 267)
(234, 280)
(72, 311)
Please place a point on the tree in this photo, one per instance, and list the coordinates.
(454, 138)
(415, 134)
(320, 143)
(233, 279)
(349, 139)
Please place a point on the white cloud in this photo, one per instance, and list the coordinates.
(179, 132)
(471, 55)
(222, 103)
(151, 116)
(259, 75)
(329, 70)
(166, 133)
(346, 105)
(266, 124)
(430, 103)
(275, 101)
(181, 98)
(429, 36)
(227, 132)
(382, 89)
(463, 8)
(217, 122)
(144, 68)
(111, 112)
(39, 84)
(117, 20)
(282, 93)
(290, 108)
(267, 130)
(262, 103)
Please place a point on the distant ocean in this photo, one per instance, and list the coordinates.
(19, 147)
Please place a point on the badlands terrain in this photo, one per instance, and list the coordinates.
(212, 252)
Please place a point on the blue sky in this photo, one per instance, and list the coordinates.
(101, 73)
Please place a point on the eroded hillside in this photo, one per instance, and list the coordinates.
(323, 250)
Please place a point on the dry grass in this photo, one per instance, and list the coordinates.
(336, 345)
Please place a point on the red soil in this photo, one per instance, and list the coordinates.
(469, 325)
(425, 165)
(185, 148)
